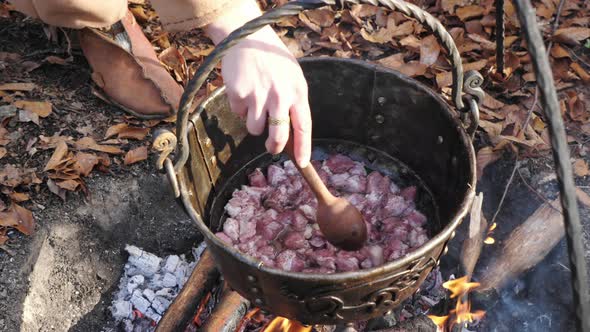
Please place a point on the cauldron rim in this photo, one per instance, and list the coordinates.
(445, 234)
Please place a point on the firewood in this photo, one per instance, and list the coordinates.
(183, 309)
(473, 244)
(227, 313)
(526, 246)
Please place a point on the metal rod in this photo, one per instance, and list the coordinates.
(500, 37)
(561, 155)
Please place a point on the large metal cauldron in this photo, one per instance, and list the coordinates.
(356, 104)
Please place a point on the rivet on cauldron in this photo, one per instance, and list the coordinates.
(446, 250)
(454, 161)
(255, 290)
(440, 140)
(213, 160)
(207, 142)
(258, 302)
(379, 118)
(276, 157)
(252, 279)
(375, 137)
(381, 100)
(452, 235)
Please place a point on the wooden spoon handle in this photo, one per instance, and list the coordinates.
(309, 174)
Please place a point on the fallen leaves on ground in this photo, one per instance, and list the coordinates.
(136, 155)
(19, 218)
(581, 168)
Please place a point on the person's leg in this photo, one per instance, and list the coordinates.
(132, 78)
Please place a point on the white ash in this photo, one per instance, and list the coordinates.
(148, 286)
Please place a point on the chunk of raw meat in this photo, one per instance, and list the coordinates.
(271, 230)
(277, 199)
(358, 169)
(417, 238)
(247, 229)
(308, 211)
(394, 206)
(316, 241)
(308, 232)
(346, 263)
(223, 237)
(409, 193)
(395, 249)
(231, 228)
(357, 200)
(288, 260)
(415, 218)
(290, 168)
(257, 179)
(268, 251)
(299, 221)
(256, 193)
(324, 258)
(295, 241)
(377, 184)
(376, 255)
(276, 175)
(339, 163)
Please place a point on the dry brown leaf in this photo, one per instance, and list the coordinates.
(136, 155)
(581, 168)
(396, 62)
(293, 46)
(85, 162)
(322, 17)
(571, 36)
(18, 86)
(308, 23)
(58, 156)
(19, 218)
(445, 79)
(364, 10)
(172, 58)
(115, 129)
(557, 51)
(411, 42)
(493, 129)
(583, 197)
(483, 41)
(70, 185)
(468, 12)
(580, 71)
(491, 102)
(529, 77)
(56, 190)
(486, 156)
(450, 5)
(429, 50)
(19, 197)
(404, 29)
(55, 60)
(11, 176)
(3, 152)
(41, 108)
(28, 116)
(88, 143)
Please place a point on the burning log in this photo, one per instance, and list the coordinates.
(418, 324)
(182, 310)
(526, 246)
(228, 313)
(473, 244)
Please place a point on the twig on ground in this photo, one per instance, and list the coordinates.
(516, 164)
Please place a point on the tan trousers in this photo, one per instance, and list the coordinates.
(175, 15)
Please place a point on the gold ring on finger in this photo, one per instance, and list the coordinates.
(277, 122)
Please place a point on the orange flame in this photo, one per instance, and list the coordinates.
(462, 314)
(281, 324)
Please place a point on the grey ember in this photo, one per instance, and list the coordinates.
(273, 218)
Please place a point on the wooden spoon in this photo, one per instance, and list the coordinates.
(340, 222)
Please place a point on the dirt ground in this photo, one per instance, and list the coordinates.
(62, 277)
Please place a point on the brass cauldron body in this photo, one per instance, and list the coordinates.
(352, 101)
(373, 107)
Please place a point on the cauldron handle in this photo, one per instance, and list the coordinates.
(294, 8)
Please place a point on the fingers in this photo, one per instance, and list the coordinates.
(256, 118)
(278, 134)
(301, 122)
(238, 105)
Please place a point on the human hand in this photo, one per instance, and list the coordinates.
(264, 81)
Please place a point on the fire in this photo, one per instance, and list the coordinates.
(281, 324)
(489, 239)
(462, 314)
